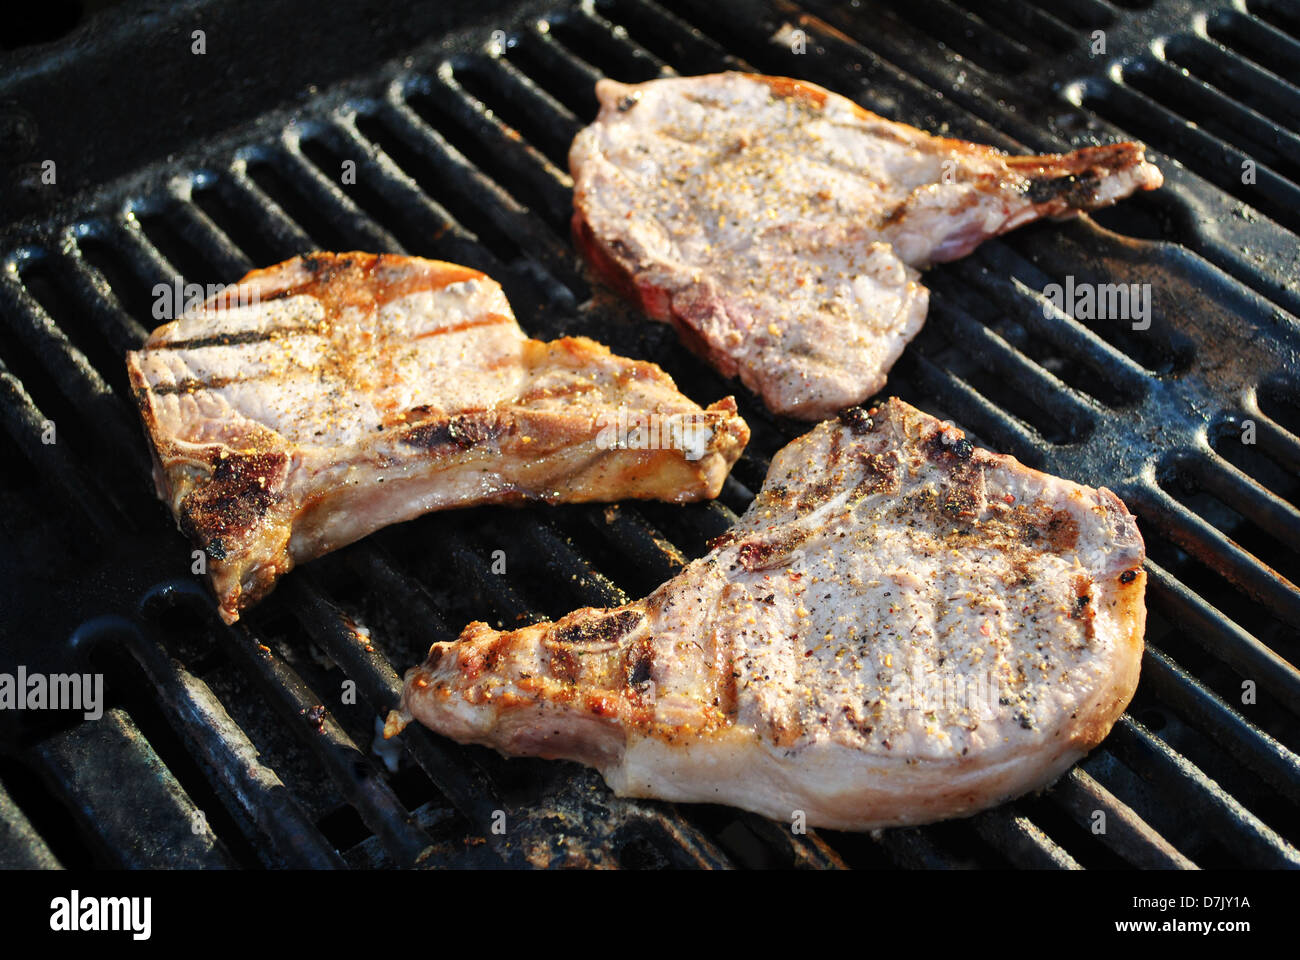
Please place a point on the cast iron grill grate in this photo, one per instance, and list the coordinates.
(248, 745)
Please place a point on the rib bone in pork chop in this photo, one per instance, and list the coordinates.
(344, 392)
(780, 227)
(901, 628)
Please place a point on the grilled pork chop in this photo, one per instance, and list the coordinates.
(780, 227)
(901, 628)
(361, 390)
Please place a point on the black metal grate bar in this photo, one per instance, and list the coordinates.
(1157, 762)
(913, 848)
(303, 712)
(1021, 841)
(26, 424)
(1251, 746)
(231, 761)
(1166, 515)
(1223, 638)
(1123, 831)
(160, 828)
(21, 846)
(447, 765)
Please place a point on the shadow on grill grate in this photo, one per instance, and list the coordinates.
(266, 731)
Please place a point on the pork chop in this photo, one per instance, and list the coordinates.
(339, 393)
(901, 628)
(780, 227)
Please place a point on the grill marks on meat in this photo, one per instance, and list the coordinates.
(360, 390)
(902, 627)
(234, 502)
(780, 227)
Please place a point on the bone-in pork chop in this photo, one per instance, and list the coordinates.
(339, 393)
(780, 227)
(901, 628)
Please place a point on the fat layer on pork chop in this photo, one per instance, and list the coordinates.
(339, 393)
(780, 227)
(902, 627)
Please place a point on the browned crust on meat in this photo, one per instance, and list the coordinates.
(606, 654)
(764, 554)
(584, 688)
(1065, 181)
(223, 489)
(241, 490)
(461, 431)
(1070, 180)
(612, 269)
(1092, 727)
(1055, 185)
(618, 270)
(610, 629)
(585, 668)
(356, 278)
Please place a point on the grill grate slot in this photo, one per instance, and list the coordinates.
(1079, 13)
(1217, 161)
(181, 247)
(303, 711)
(259, 207)
(551, 66)
(1159, 349)
(345, 217)
(1233, 824)
(522, 105)
(671, 39)
(1280, 401)
(1073, 338)
(242, 219)
(294, 204)
(48, 279)
(969, 34)
(1076, 375)
(26, 424)
(1256, 41)
(218, 256)
(500, 223)
(116, 279)
(1164, 514)
(1022, 387)
(1222, 638)
(269, 810)
(1246, 82)
(1126, 834)
(21, 845)
(77, 399)
(1216, 112)
(1259, 521)
(1247, 744)
(1024, 844)
(446, 764)
(162, 829)
(1281, 16)
(1260, 461)
(494, 148)
(384, 195)
(1028, 25)
(605, 48)
(893, 76)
